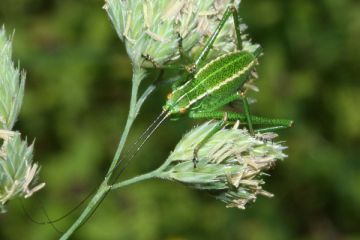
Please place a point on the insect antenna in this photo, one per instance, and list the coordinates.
(155, 125)
(139, 139)
(135, 147)
(49, 221)
(159, 119)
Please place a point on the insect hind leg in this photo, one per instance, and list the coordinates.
(216, 103)
(239, 42)
(210, 42)
(239, 35)
(236, 19)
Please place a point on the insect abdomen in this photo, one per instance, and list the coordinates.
(223, 75)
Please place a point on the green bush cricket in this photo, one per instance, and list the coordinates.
(206, 89)
(211, 86)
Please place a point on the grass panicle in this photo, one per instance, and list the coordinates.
(155, 27)
(231, 166)
(18, 175)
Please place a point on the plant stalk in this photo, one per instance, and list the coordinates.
(146, 176)
(86, 214)
(138, 75)
(104, 188)
(101, 194)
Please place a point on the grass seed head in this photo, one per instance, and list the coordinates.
(231, 166)
(154, 27)
(17, 173)
(12, 82)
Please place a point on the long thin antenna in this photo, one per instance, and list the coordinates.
(159, 122)
(139, 139)
(39, 222)
(58, 219)
(77, 206)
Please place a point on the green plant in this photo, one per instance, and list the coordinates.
(18, 175)
(163, 34)
(216, 156)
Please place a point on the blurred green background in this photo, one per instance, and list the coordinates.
(76, 102)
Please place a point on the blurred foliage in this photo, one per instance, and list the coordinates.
(76, 101)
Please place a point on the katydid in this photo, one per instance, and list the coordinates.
(206, 90)
(210, 87)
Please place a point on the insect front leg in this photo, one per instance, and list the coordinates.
(183, 55)
(157, 65)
